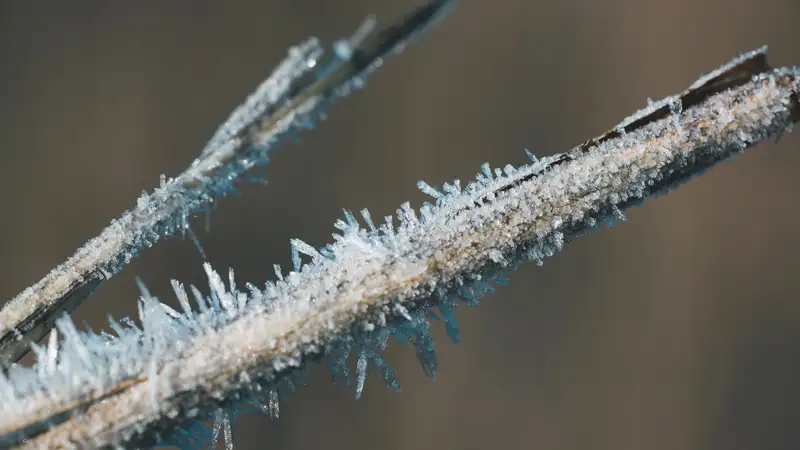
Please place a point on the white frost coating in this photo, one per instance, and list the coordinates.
(367, 278)
(266, 94)
(292, 99)
(731, 64)
(674, 101)
(230, 153)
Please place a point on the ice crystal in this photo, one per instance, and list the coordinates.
(241, 143)
(292, 99)
(153, 382)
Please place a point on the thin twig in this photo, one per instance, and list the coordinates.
(290, 100)
(142, 386)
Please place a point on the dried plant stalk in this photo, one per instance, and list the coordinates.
(144, 386)
(290, 100)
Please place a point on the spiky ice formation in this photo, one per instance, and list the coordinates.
(293, 98)
(235, 347)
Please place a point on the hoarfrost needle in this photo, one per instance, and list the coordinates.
(239, 349)
(373, 283)
(291, 100)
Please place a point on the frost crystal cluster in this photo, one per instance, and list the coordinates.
(245, 346)
(290, 100)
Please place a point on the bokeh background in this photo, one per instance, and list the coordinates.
(677, 329)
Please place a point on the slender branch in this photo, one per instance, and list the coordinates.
(142, 386)
(290, 100)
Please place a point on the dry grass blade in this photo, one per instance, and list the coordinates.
(290, 100)
(143, 385)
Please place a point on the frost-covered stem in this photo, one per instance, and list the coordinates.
(27, 317)
(290, 100)
(183, 367)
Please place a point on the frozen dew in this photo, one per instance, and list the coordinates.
(52, 352)
(371, 284)
(361, 373)
(222, 422)
(183, 298)
(301, 248)
(273, 405)
(292, 99)
(428, 190)
(450, 321)
(368, 220)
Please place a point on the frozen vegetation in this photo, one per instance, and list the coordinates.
(244, 347)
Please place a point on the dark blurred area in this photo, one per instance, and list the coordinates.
(677, 329)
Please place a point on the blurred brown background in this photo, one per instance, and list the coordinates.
(678, 329)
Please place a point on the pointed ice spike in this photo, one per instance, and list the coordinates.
(500, 281)
(388, 226)
(170, 311)
(453, 189)
(368, 219)
(127, 321)
(140, 309)
(342, 363)
(450, 322)
(273, 406)
(388, 374)
(142, 288)
(252, 289)
(228, 434)
(403, 311)
(300, 247)
(333, 364)
(218, 291)
(196, 242)
(340, 224)
(278, 272)
(350, 219)
(39, 354)
(108, 336)
(426, 356)
(361, 373)
(217, 425)
(487, 171)
(531, 155)
(202, 305)
(72, 338)
(428, 190)
(241, 300)
(158, 322)
(183, 299)
(297, 263)
(407, 215)
(423, 341)
(231, 280)
(301, 60)
(52, 352)
(115, 326)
